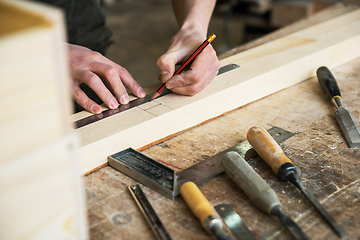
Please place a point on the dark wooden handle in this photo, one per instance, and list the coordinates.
(328, 83)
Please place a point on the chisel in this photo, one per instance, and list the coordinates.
(272, 154)
(345, 119)
(258, 191)
(234, 222)
(203, 210)
(149, 213)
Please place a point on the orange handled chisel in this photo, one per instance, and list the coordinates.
(273, 155)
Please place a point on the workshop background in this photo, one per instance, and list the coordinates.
(142, 29)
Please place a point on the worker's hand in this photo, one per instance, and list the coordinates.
(106, 78)
(202, 70)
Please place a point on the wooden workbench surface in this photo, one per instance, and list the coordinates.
(326, 166)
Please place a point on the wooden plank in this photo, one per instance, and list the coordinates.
(37, 194)
(33, 81)
(41, 190)
(264, 70)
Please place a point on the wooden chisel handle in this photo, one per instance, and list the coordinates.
(270, 151)
(200, 206)
(328, 83)
(250, 182)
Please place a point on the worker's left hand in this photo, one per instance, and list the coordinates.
(202, 70)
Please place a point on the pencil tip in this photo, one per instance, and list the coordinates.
(155, 95)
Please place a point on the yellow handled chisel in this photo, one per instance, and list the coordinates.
(203, 210)
(273, 155)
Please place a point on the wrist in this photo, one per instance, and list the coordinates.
(195, 22)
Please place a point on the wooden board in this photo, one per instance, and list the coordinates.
(264, 70)
(32, 80)
(41, 190)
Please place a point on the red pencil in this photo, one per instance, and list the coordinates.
(186, 63)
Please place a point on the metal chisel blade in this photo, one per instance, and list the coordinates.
(234, 222)
(349, 127)
(149, 213)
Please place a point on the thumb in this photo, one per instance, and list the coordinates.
(166, 64)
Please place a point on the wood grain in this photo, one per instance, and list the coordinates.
(41, 190)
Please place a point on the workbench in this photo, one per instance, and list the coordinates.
(325, 164)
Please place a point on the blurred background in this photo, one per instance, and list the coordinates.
(142, 29)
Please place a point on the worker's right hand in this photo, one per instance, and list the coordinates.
(106, 78)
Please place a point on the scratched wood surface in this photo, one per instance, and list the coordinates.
(326, 166)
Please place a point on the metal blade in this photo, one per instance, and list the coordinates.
(149, 213)
(325, 214)
(289, 224)
(234, 222)
(349, 127)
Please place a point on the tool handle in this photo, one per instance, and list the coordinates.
(328, 83)
(267, 148)
(197, 202)
(250, 182)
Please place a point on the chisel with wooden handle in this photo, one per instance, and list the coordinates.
(203, 210)
(258, 191)
(345, 119)
(272, 154)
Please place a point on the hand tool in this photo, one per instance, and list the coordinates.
(187, 62)
(165, 181)
(234, 222)
(273, 155)
(149, 213)
(134, 103)
(203, 210)
(345, 119)
(258, 191)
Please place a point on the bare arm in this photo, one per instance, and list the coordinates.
(193, 17)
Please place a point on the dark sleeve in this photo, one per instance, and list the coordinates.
(85, 23)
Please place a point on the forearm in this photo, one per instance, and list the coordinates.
(193, 13)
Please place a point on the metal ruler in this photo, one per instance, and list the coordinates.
(165, 181)
(134, 103)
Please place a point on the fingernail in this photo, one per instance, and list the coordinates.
(141, 92)
(96, 109)
(169, 85)
(164, 76)
(113, 104)
(124, 99)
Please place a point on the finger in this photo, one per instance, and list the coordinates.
(83, 100)
(166, 64)
(110, 75)
(95, 83)
(118, 77)
(130, 83)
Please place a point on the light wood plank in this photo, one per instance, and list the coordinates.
(264, 70)
(37, 192)
(33, 81)
(40, 182)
